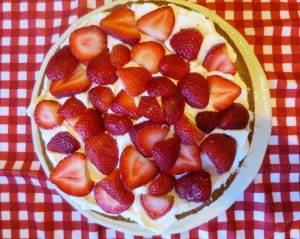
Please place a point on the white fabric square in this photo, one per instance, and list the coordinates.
(284, 14)
(4, 197)
(294, 158)
(293, 140)
(240, 234)
(72, 19)
(23, 215)
(275, 177)
(39, 57)
(76, 216)
(222, 217)
(24, 233)
(5, 215)
(76, 234)
(291, 121)
(274, 159)
(294, 177)
(58, 216)
(40, 23)
(40, 6)
(39, 197)
(21, 111)
(22, 93)
(41, 234)
(23, 6)
(269, 67)
(291, 84)
(23, 41)
(279, 217)
(258, 233)
(6, 7)
(268, 31)
(267, 49)
(21, 147)
(5, 41)
(57, 6)
(56, 198)
(286, 31)
(259, 197)
(295, 196)
(22, 58)
(21, 128)
(6, 233)
(239, 215)
(4, 93)
(35, 182)
(295, 233)
(6, 24)
(18, 165)
(287, 67)
(3, 128)
(273, 140)
(229, 15)
(222, 234)
(3, 147)
(58, 234)
(201, 234)
(35, 166)
(5, 58)
(40, 40)
(259, 216)
(276, 196)
(266, 15)
(286, 49)
(20, 180)
(57, 22)
(248, 15)
(250, 31)
(22, 75)
(2, 164)
(21, 197)
(5, 75)
(24, 24)
(39, 216)
(279, 235)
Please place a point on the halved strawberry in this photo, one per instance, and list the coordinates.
(144, 135)
(87, 42)
(207, 121)
(161, 86)
(235, 116)
(189, 160)
(158, 23)
(120, 23)
(46, 114)
(217, 59)
(117, 124)
(119, 56)
(222, 91)
(101, 98)
(125, 105)
(142, 52)
(76, 83)
(161, 185)
(150, 108)
(100, 70)
(102, 150)
(70, 175)
(156, 207)
(135, 169)
(61, 65)
(63, 142)
(134, 79)
(173, 108)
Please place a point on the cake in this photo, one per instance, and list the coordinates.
(145, 113)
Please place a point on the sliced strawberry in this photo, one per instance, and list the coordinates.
(173, 108)
(235, 116)
(119, 56)
(70, 175)
(117, 124)
(101, 98)
(61, 65)
(158, 23)
(142, 52)
(103, 152)
(120, 23)
(187, 43)
(207, 121)
(46, 114)
(144, 135)
(134, 79)
(217, 59)
(135, 169)
(75, 84)
(87, 42)
(63, 142)
(89, 124)
(100, 70)
(194, 186)
(150, 108)
(174, 66)
(161, 86)
(156, 207)
(165, 153)
(222, 92)
(221, 150)
(188, 132)
(189, 160)
(125, 105)
(161, 185)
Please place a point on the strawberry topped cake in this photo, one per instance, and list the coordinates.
(145, 114)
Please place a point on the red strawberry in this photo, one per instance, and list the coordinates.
(150, 108)
(187, 131)
(125, 105)
(101, 98)
(173, 66)
(207, 121)
(111, 195)
(135, 79)
(135, 169)
(194, 186)
(222, 91)
(70, 175)
(120, 24)
(188, 160)
(117, 124)
(173, 108)
(187, 43)
(142, 52)
(61, 65)
(119, 56)
(221, 150)
(235, 116)
(103, 152)
(46, 114)
(156, 207)
(165, 153)
(144, 135)
(89, 124)
(161, 86)
(158, 23)
(87, 42)
(63, 142)
(100, 70)
(75, 84)
(194, 87)
(217, 59)
(161, 185)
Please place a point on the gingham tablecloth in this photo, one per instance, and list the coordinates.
(31, 208)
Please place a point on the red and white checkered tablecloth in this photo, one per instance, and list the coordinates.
(30, 208)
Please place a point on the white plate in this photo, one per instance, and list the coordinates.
(251, 165)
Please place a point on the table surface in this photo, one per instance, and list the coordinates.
(31, 208)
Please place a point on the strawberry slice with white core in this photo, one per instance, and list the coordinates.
(70, 175)
(46, 114)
